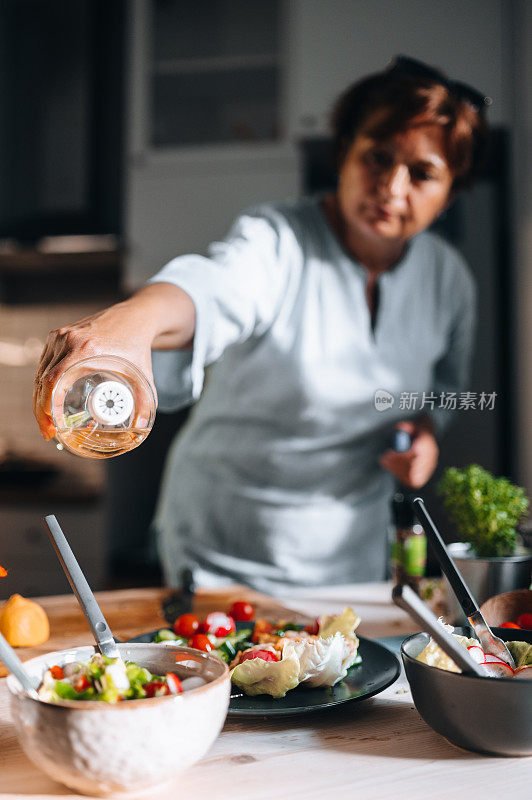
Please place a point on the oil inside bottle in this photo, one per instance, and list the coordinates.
(94, 442)
(102, 407)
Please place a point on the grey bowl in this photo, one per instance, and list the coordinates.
(487, 715)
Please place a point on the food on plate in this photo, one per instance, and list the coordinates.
(23, 623)
(493, 666)
(109, 680)
(273, 658)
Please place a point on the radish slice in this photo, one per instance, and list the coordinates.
(489, 658)
(496, 669)
(476, 653)
(523, 672)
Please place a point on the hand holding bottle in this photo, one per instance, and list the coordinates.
(158, 316)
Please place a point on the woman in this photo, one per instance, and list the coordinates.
(283, 474)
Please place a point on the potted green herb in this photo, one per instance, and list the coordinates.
(486, 511)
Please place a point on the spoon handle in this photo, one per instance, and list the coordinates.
(15, 665)
(405, 598)
(80, 587)
(463, 595)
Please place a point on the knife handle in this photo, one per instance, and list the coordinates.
(187, 581)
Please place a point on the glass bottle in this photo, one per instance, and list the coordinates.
(102, 406)
(409, 543)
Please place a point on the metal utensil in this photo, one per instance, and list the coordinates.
(407, 599)
(180, 602)
(490, 643)
(80, 587)
(15, 665)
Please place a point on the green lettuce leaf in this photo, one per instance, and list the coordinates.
(275, 678)
(522, 653)
(345, 623)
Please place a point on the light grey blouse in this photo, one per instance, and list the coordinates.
(275, 479)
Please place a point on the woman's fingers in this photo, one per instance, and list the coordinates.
(399, 464)
(59, 352)
(41, 408)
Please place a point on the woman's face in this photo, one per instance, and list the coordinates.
(391, 190)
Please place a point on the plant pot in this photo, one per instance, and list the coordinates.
(485, 577)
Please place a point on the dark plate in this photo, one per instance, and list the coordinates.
(378, 670)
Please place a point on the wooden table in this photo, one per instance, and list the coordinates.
(377, 749)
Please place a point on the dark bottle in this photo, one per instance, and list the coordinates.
(409, 543)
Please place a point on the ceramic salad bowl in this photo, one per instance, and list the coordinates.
(130, 747)
(486, 715)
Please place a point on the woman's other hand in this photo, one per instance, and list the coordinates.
(416, 466)
(159, 315)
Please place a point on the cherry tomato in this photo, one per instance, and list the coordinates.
(510, 625)
(264, 655)
(242, 611)
(57, 673)
(219, 624)
(156, 688)
(201, 642)
(525, 621)
(81, 683)
(174, 684)
(186, 625)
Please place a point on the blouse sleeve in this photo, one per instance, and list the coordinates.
(236, 290)
(452, 371)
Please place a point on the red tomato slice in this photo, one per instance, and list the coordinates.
(525, 621)
(242, 611)
(510, 625)
(219, 624)
(57, 673)
(186, 625)
(174, 684)
(201, 642)
(156, 688)
(264, 655)
(81, 684)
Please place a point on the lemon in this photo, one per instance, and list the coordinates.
(23, 622)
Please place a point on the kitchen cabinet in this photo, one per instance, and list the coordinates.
(205, 137)
(214, 71)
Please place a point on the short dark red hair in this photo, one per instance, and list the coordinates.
(405, 101)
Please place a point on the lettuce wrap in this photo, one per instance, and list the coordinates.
(320, 660)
